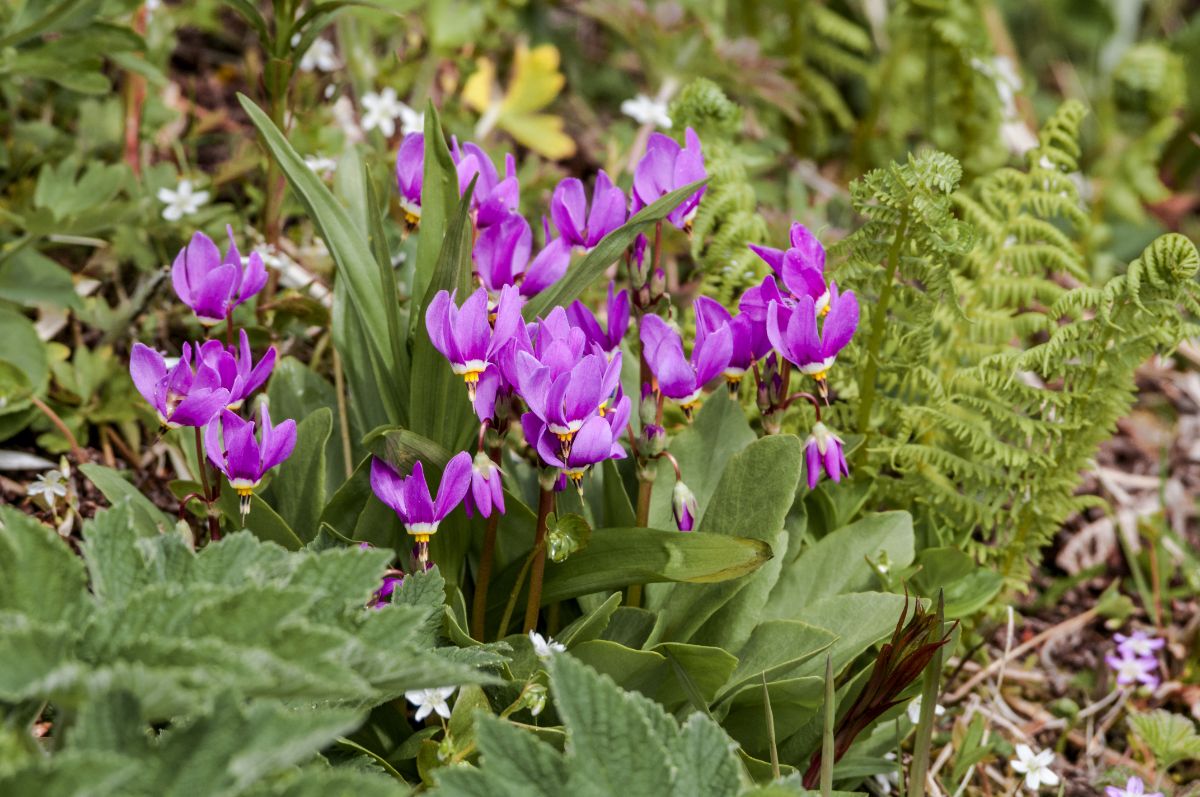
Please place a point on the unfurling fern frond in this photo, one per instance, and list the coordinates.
(990, 371)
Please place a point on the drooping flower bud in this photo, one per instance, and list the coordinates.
(823, 448)
(683, 506)
(654, 440)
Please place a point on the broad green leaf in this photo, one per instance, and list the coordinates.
(838, 562)
(776, 649)
(794, 702)
(298, 490)
(371, 369)
(148, 518)
(23, 349)
(39, 575)
(858, 619)
(592, 624)
(615, 558)
(588, 270)
(752, 499)
(703, 449)
(651, 673)
(514, 764)
(296, 391)
(30, 278)
(262, 521)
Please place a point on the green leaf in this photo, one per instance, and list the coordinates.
(838, 562)
(604, 254)
(298, 490)
(794, 702)
(703, 451)
(752, 499)
(262, 521)
(371, 368)
(439, 198)
(438, 404)
(23, 349)
(148, 518)
(296, 391)
(514, 764)
(39, 575)
(616, 558)
(651, 672)
(777, 648)
(858, 619)
(30, 278)
(1172, 738)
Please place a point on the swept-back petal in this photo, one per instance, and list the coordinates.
(456, 479)
(417, 500)
(147, 368)
(839, 324)
(388, 486)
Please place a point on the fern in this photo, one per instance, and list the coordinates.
(992, 371)
(930, 87)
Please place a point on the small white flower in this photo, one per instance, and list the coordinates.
(647, 111)
(50, 485)
(321, 166)
(382, 110)
(535, 698)
(411, 121)
(183, 201)
(152, 6)
(320, 57)
(429, 701)
(545, 647)
(1035, 767)
(914, 710)
(886, 781)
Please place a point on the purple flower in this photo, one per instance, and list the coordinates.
(665, 167)
(501, 256)
(487, 492)
(464, 335)
(239, 375)
(212, 287)
(617, 321)
(180, 396)
(231, 447)
(383, 596)
(1138, 643)
(711, 316)
(410, 174)
(409, 496)
(824, 448)
(683, 506)
(593, 443)
(793, 331)
(1134, 787)
(569, 210)
(565, 399)
(493, 198)
(805, 252)
(753, 305)
(678, 378)
(1133, 669)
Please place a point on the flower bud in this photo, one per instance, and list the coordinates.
(658, 284)
(648, 408)
(683, 505)
(654, 440)
(534, 698)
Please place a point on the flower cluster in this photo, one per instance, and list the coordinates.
(210, 381)
(1134, 661)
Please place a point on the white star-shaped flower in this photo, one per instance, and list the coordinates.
(545, 647)
(321, 166)
(411, 121)
(430, 701)
(1035, 767)
(382, 109)
(647, 111)
(183, 201)
(50, 485)
(320, 57)
(914, 710)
